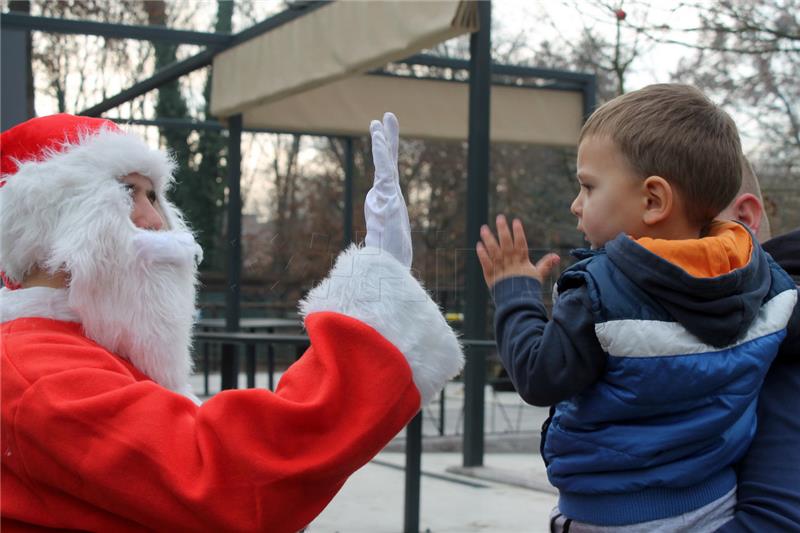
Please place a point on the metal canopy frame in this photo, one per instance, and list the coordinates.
(216, 43)
(111, 30)
(480, 71)
(562, 79)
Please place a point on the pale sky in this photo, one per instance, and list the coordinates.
(562, 21)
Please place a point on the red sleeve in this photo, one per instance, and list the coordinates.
(253, 460)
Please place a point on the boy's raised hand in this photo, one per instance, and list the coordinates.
(507, 255)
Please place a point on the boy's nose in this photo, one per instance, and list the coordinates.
(575, 208)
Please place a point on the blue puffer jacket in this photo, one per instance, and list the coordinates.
(655, 432)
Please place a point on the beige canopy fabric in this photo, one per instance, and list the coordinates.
(426, 109)
(332, 42)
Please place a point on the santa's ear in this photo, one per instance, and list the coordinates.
(659, 200)
(747, 209)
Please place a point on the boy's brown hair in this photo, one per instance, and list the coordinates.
(676, 132)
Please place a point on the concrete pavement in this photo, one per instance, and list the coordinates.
(372, 499)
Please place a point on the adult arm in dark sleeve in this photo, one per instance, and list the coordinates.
(548, 361)
(785, 250)
(769, 475)
(790, 347)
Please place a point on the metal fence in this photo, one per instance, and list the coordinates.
(207, 356)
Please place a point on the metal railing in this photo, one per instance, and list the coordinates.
(413, 451)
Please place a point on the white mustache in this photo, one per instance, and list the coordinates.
(167, 247)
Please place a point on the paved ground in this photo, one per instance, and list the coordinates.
(372, 500)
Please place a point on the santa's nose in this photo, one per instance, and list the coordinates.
(146, 216)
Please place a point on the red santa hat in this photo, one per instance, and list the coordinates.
(41, 137)
(60, 175)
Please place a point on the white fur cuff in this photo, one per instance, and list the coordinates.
(371, 286)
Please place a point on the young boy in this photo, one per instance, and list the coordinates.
(661, 335)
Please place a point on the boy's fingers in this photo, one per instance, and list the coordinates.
(504, 235)
(546, 264)
(520, 242)
(489, 241)
(486, 262)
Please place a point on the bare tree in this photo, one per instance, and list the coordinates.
(748, 54)
(75, 71)
(608, 45)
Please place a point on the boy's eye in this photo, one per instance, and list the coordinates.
(587, 186)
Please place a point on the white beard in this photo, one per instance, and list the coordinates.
(141, 304)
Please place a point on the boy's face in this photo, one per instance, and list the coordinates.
(611, 199)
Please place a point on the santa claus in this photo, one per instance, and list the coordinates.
(100, 430)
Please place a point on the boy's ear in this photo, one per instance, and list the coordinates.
(659, 198)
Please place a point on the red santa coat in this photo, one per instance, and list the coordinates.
(90, 443)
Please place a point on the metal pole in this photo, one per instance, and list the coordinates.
(348, 191)
(413, 474)
(171, 72)
(230, 363)
(250, 351)
(508, 70)
(441, 413)
(112, 31)
(270, 366)
(15, 64)
(206, 365)
(477, 214)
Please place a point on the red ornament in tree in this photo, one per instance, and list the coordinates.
(620, 14)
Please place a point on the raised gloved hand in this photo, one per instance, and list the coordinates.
(385, 209)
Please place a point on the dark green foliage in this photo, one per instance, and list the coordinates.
(200, 176)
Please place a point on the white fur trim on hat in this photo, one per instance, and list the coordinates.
(371, 286)
(48, 207)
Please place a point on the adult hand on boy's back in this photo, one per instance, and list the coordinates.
(507, 256)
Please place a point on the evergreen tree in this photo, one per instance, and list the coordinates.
(199, 191)
(209, 189)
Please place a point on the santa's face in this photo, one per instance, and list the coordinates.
(135, 294)
(146, 212)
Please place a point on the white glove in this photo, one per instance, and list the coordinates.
(385, 208)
